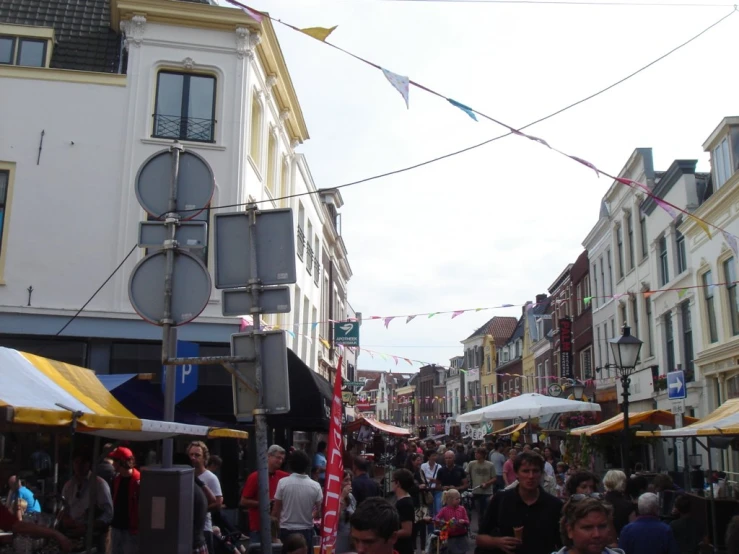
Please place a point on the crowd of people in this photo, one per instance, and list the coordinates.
(450, 497)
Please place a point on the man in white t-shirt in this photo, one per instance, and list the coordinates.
(198, 453)
(297, 498)
(430, 472)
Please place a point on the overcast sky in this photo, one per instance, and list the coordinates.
(496, 225)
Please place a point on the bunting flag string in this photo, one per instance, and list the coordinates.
(246, 321)
(321, 33)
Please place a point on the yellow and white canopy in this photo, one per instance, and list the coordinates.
(616, 423)
(39, 391)
(722, 421)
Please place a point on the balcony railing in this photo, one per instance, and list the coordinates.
(301, 242)
(183, 128)
(317, 269)
(309, 260)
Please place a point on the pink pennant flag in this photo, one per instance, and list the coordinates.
(256, 16)
(409, 319)
(400, 82)
(396, 360)
(245, 322)
(375, 317)
(457, 313)
(387, 321)
(666, 207)
(586, 164)
(409, 362)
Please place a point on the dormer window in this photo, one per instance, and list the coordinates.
(25, 51)
(725, 153)
(722, 162)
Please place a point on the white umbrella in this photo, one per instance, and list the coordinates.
(527, 406)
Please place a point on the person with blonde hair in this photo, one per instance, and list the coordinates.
(585, 526)
(624, 510)
(198, 453)
(454, 519)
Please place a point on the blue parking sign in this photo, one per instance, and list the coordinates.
(187, 376)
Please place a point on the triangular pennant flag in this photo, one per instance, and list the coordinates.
(457, 313)
(400, 83)
(702, 224)
(587, 300)
(396, 360)
(409, 362)
(387, 321)
(465, 109)
(731, 241)
(319, 33)
(325, 343)
(314, 324)
(666, 207)
(479, 309)
(648, 293)
(586, 164)
(682, 292)
(410, 318)
(507, 306)
(432, 315)
(290, 333)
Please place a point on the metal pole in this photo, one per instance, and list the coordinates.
(260, 414)
(714, 539)
(625, 382)
(171, 221)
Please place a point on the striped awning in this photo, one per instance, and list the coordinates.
(505, 431)
(616, 423)
(724, 421)
(39, 391)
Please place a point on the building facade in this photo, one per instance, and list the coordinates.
(129, 80)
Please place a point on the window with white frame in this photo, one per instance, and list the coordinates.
(708, 295)
(733, 297)
(595, 286)
(644, 236)
(721, 161)
(630, 244)
(620, 247)
(682, 257)
(664, 267)
(586, 363)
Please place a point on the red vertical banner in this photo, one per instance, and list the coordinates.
(334, 471)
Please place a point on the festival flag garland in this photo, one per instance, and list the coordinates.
(398, 82)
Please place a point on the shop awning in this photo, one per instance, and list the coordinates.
(382, 427)
(616, 423)
(722, 421)
(505, 431)
(42, 392)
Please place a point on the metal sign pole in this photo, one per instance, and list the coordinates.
(169, 349)
(260, 414)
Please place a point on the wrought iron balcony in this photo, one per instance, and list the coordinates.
(301, 242)
(309, 260)
(183, 128)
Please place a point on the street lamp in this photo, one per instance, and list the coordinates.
(626, 353)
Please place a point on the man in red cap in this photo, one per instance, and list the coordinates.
(126, 485)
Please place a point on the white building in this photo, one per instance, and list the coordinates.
(82, 110)
(598, 243)
(455, 386)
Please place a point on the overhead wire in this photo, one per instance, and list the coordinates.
(417, 165)
(572, 3)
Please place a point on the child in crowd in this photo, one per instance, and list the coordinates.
(295, 544)
(453, 520)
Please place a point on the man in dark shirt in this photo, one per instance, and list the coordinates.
(524, 519)
(363, 486)
(451, 476)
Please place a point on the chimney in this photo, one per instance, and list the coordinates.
(540, 298)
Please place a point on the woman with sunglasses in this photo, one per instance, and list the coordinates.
(586, 526)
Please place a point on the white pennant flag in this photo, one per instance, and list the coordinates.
(400, 83)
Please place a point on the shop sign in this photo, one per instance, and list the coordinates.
(565, 347)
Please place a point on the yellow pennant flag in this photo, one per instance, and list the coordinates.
(702, 224)
(320, 33)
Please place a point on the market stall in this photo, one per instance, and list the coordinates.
(616, 423)
(722, 422)
(38, 392)
(525, 407)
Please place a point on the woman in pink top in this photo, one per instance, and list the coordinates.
(453, 520)
(509, 475)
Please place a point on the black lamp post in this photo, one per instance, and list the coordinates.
(626, 353)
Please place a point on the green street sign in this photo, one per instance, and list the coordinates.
(346, 333)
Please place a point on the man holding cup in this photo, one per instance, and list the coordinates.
(524, 519)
